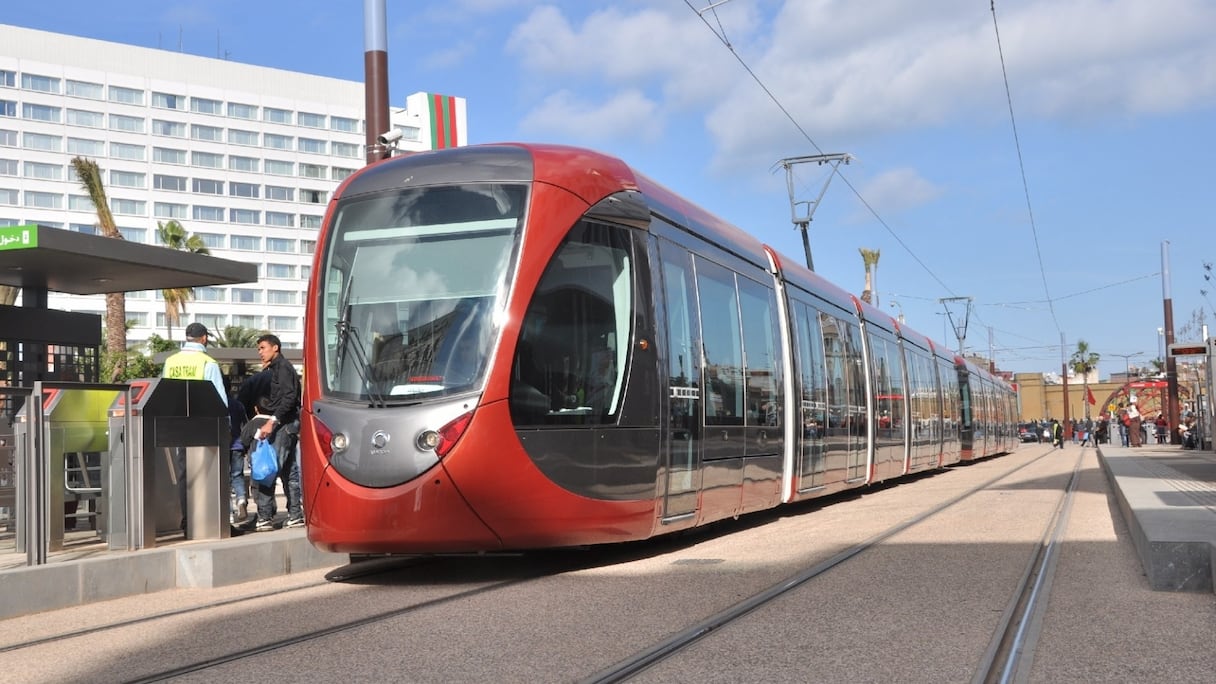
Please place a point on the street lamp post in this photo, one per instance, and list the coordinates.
(1127, 364)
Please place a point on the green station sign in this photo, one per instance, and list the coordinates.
(18, 237)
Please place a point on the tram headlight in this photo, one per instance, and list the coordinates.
(339, 442)
(428, 440)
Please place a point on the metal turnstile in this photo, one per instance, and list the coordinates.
(177, 435)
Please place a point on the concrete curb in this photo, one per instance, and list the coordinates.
(213, 564)
(1174, 534)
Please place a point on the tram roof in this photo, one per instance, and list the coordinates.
(78, 263)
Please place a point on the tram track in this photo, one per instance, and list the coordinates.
(477, 584)
(1011, 650)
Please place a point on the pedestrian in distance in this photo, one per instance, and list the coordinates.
(238, 509)
(283, 429)
(1057, 433)
(195, 364)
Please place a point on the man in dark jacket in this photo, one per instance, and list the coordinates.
(283, 429)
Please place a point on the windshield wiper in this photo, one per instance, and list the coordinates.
(345, 332)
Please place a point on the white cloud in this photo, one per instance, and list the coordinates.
(563, 115)
(898, 189)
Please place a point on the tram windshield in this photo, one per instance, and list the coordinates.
(411, 285)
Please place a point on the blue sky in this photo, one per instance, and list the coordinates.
(1114, 103)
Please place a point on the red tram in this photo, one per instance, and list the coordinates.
(517, 346)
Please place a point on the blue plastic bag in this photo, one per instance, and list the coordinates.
(264, 463)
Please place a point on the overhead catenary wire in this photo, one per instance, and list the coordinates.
(721, 36)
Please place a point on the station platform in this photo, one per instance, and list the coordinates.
(1166, 494)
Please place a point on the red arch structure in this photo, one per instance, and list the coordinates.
(1150, 397)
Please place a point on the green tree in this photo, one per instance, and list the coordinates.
(116, 302)
(238, 337)
(174, 236)
(1082, 362)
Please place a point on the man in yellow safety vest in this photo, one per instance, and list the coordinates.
(192, 363)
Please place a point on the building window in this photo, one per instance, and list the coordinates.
(244, 295)
(308, 246)
(81, 203)
(274, 167)
(174, 183)
(168, 155)
(202, 213)
(236, 163)
(38, 141)
(209, 294)
(239, 137)
(278, 192)
(172, 129)
(40, 112)
(280, 271)
(168, 101)
(312, 171)
(80, 117)
(8, 138)
(341, 149)
(246, 321)
(284, 323)
(86, 147)
(133, 234)
(280, 245)
(125, 151)
(201, 105)
(340, 174)
(93, 91)
(242, 111)
(129, 207)
(245, 216)
(312, 146)
(206, 186)
(249, 243)
(43, 200)
(207, 160)
(127, 179)
(313, 196)
(311, 120)
(8, 108)
(342, 123)
(8, 79)
(131, 124)
(310, 221)
(43, 171)
(243, 189)
(211, 133)
(212, 240)
(8, 197)
(276, 141)
(131, 96)
(169, 210)
(278, 218)
(282, 116)
(43, 84)
(284, 297)
(8, 167)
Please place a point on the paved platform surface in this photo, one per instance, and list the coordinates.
(1167, 496)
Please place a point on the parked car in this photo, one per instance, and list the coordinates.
(1029, 432)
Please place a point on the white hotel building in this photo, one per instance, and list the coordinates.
(246, 157)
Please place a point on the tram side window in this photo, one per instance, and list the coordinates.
(570, 362)
(759, 308)
(722, 343)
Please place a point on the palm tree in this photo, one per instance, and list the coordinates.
(869, 257)
(1082, 362)
(238, 337)
(116, 302)
(174, 236)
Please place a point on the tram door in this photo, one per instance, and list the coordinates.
(682, 431)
